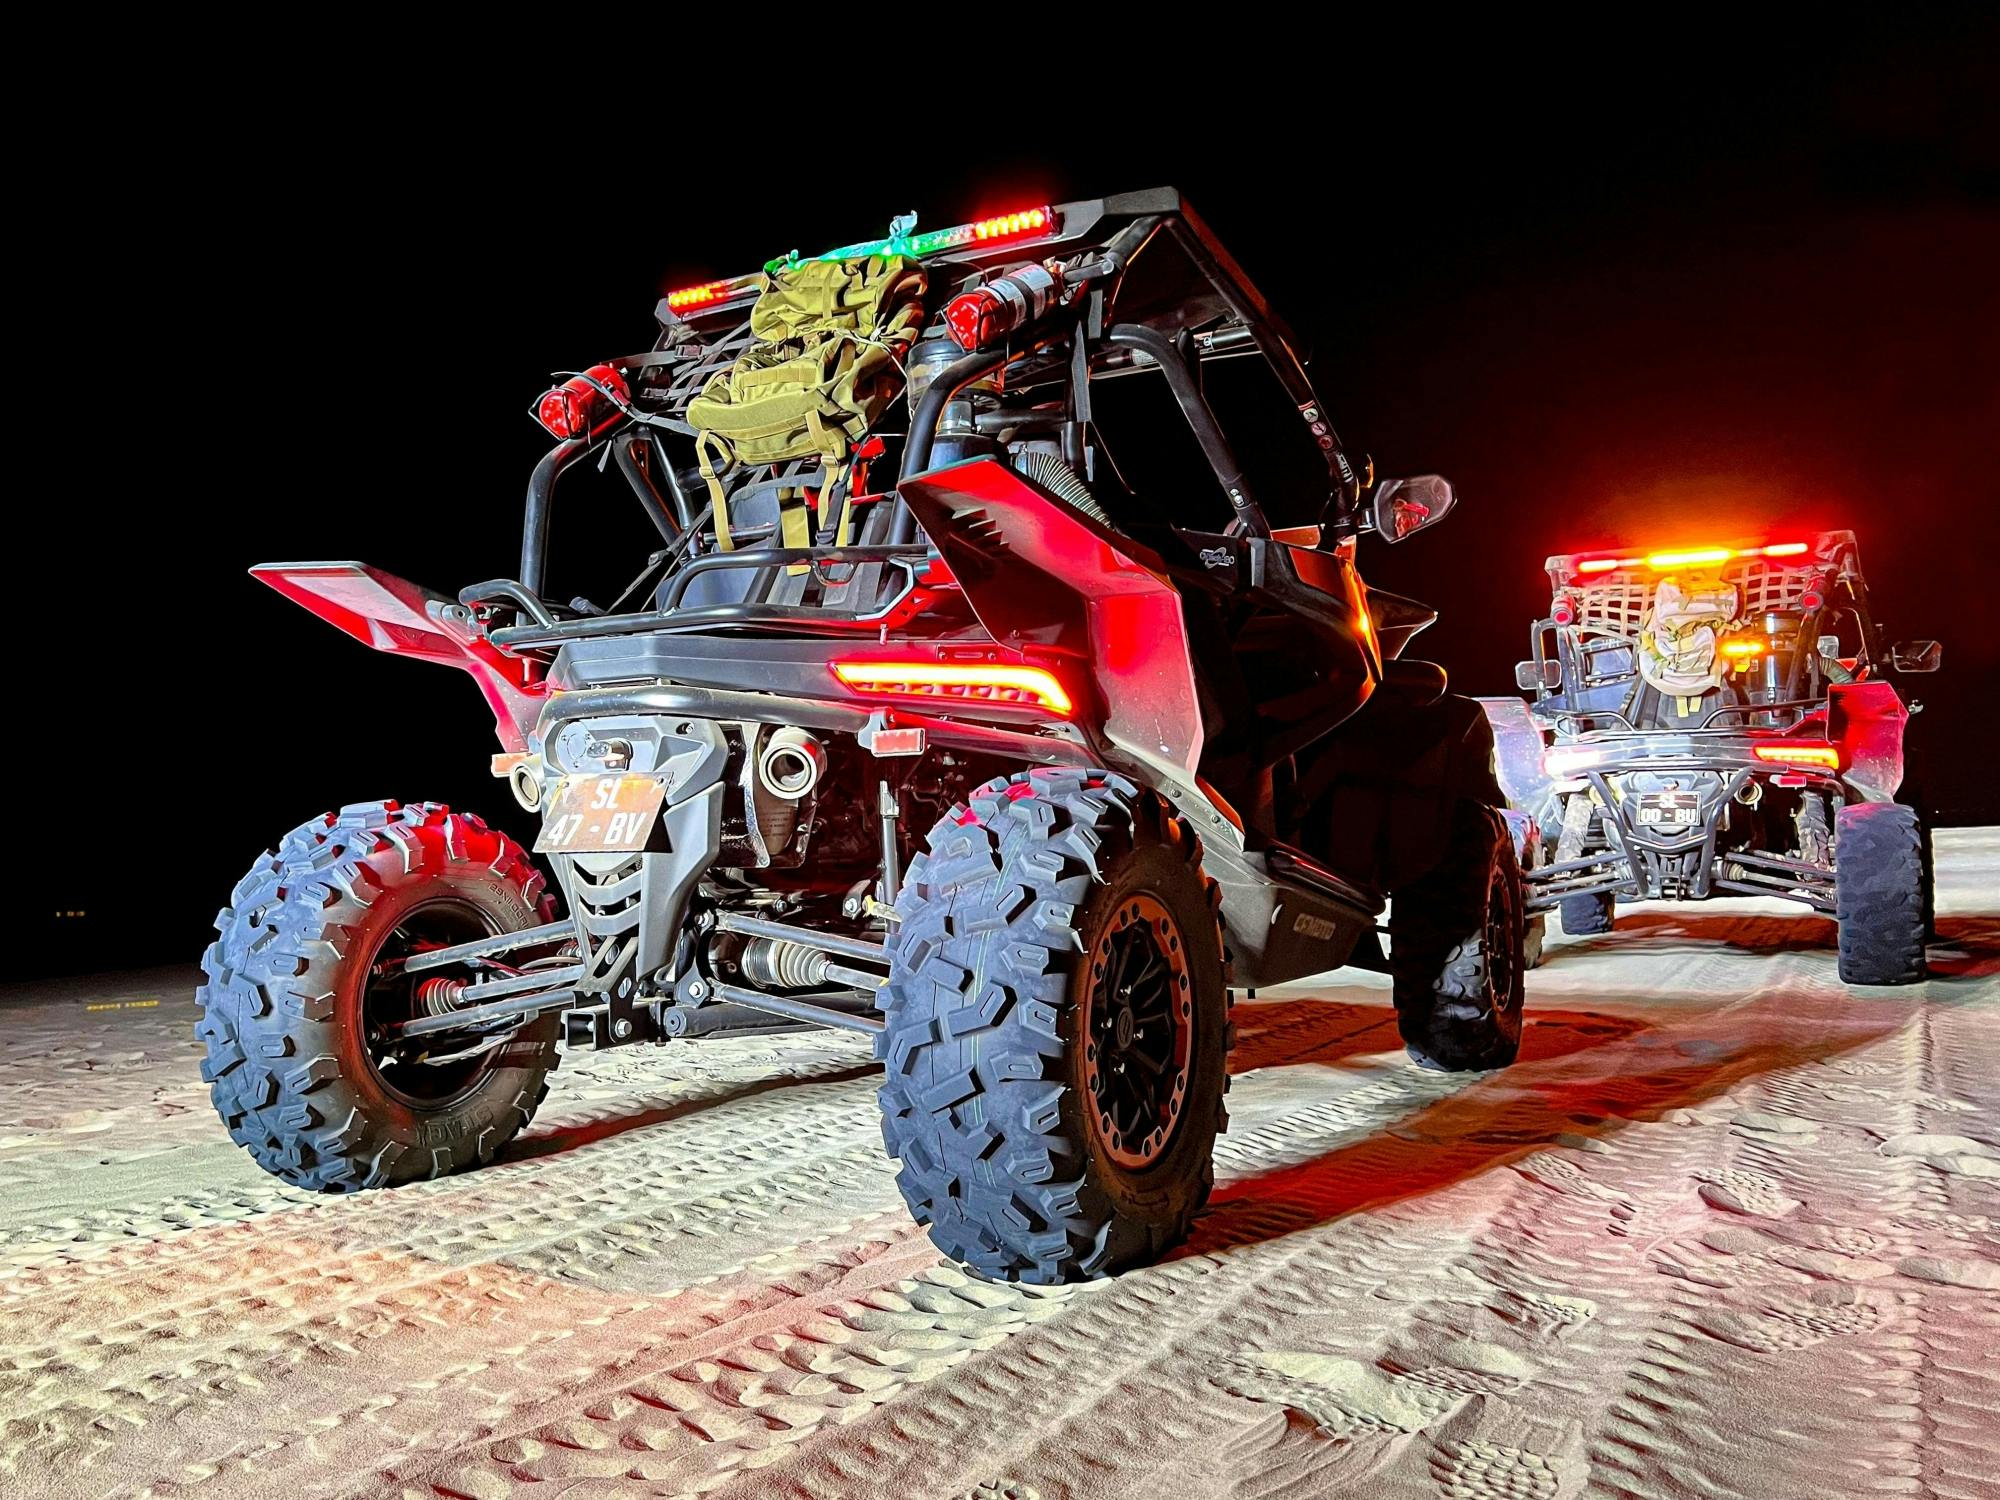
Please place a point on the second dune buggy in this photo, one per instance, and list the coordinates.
(1720, 721)
(982, 695)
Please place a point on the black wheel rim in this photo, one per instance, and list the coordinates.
(1137, 1031)
(391, 997)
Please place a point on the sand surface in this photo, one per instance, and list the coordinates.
(1728, 1229)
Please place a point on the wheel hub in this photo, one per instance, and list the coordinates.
(1137, 1031)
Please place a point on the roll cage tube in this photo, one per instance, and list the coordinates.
(1193, 236)
(1214, 446)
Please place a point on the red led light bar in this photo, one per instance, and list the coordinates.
(696, 296)
(987, 682)
(1801, 753)
(1689, 557)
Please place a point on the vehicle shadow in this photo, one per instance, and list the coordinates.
(1966, 948)
(1967, 945)
(1271, 1033)
(589, 1132)
(1578, 1073)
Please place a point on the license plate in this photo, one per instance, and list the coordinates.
(601, 815)
(1669, 810)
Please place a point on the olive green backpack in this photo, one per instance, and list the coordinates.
(828, 358)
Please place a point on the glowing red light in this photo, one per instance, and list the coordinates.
(1803, 753)
(1031, 221)
(698, 296)
(988, 682)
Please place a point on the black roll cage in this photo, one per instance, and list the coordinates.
(1176, 338)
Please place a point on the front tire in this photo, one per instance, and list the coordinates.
(1057, 1029)
(1456, 950)
(1586, 916)
(1880, 893)
(291, 1017)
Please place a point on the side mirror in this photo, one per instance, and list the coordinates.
(1404, 506)
(1533, 676)
(1916, 656)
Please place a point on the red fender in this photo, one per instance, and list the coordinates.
(394, 615)
(1866, 720)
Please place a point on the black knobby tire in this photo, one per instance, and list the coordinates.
(1455, 950)
(1585, 916)
(1001, 1107)
(286, 1012)
(1880, 887)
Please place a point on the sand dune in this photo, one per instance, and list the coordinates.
(1728, 1229)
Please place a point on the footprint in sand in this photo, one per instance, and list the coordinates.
(1492, 1450)
(1342, 1397)
(1959, 1155)
(1001, 1489)
(1778, 1324)
(1740, 1191)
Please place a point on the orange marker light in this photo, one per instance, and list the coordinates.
(1603, 565)
(975, 682)
(1807, 754)
(1694, 557)
(1782, 549)
(1746, 647)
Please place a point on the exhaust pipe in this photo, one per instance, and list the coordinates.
(526, 786)
(791, 764)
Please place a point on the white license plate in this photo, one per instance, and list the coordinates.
(601, 815)
(1667, 810)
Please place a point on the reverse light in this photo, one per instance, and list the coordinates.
(976, 682)
(1800, 753)
(579, 404)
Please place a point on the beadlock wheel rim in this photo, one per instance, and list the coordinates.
(1137, 1033)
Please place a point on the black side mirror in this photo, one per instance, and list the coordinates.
(1404, 506)
(1531, 676)
(1916, 656)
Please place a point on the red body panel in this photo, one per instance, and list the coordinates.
(1039, 573)
(404, 619)
(1866, 720)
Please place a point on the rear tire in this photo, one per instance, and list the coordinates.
(1880, 885)
(288, 1007)
(1586, 916)
(1057, 1029)
(1455, 950)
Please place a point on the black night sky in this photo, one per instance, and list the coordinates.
(1702, 301)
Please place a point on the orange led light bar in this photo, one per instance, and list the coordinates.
(1691, 557)
(1805, 753)
(1029, 687)
(1748, 646)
